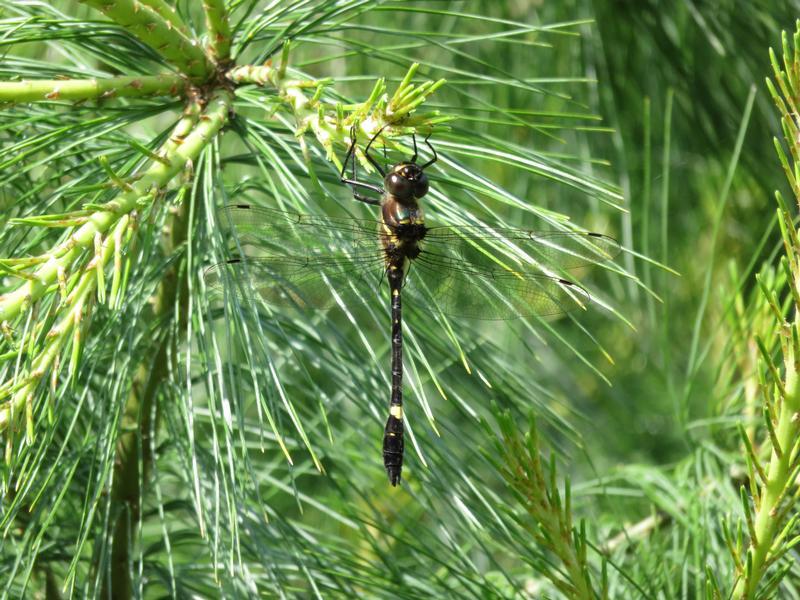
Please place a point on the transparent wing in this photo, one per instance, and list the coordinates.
(292, 259)
(520, 249)
(276, 232)
(475, 272)
(472, 292)
(302, 282)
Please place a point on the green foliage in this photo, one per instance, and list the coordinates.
(772, 457)
(522, 464)
(160, 441)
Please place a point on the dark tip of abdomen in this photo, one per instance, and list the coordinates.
(394, 475)
(393, 449)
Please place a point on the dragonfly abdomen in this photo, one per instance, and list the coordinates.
(393, 431)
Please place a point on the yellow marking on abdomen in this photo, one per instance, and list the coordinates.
(396, 412)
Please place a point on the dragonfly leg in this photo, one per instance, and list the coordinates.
(414, 141)
(354, 182)
(362, 197)
(350, 153)
(429, 145)
(372, 161)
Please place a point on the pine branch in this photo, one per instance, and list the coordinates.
(772, 484)
(140, 421)
(219, 30)
(70, 259)
(522, 465)
(92, 89)
(378, 114)
(151, 28)
(169, 14)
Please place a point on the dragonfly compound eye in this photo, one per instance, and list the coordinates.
(397, 185)
(421, 186)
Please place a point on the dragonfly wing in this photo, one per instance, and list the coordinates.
(521, 249)
(280, 233)
(473, 292)
(302, 282)
(292, 259)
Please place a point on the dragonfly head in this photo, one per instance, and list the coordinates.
(406, 182)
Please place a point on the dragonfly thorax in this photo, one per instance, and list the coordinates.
(403, 226)
(405, 219)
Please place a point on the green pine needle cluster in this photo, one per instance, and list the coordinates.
(773, 465)
(522, 464)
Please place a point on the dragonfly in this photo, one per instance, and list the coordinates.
(479, 272)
